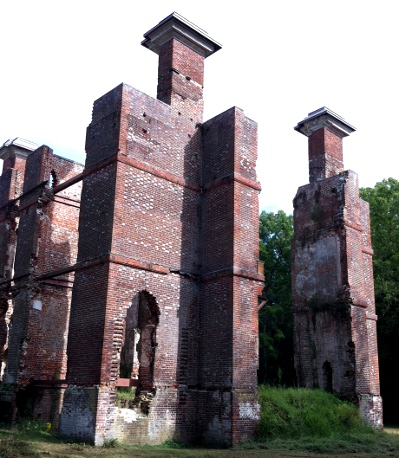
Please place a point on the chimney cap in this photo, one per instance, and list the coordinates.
(17, 146)
(324, 117)
(176, 26)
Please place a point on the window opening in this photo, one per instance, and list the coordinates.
(327, 377)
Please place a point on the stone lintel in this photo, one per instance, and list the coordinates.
(178, 27)
(324, 117)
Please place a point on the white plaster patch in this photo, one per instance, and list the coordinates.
(249, 410)
(129, 415)
(162, 430)
(37, 304)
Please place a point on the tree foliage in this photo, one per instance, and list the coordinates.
(275, 317)
(384, 222)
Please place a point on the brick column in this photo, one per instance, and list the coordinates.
(325, 130)
(182, 49)
(332, 283)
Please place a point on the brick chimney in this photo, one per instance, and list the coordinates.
(14, 153)
(325, 131)
(182, 48)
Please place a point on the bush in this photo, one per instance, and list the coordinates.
(292, 413)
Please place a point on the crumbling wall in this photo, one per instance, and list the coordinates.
(46, 245)
(332, 281)
(169, 209)
(163, 279)
(322, 331)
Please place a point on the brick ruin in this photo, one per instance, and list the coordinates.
(139, 270)
(38, 244)
(335, 335)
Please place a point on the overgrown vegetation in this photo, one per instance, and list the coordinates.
(276, 351)
(293, 413)
(294, 422)
(125, 393)
(316, 421)
(383, 199)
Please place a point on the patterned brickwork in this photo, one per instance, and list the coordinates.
(169, 224)
(38, 277)
(140, 269)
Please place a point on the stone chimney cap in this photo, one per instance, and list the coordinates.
(324, 117)
(18, 146)
(176, 26)
(18, 141)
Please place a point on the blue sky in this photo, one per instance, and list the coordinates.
(279, 61)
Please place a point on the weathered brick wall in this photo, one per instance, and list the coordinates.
(181, 79)
(216, 333)
(8, 225)
(48, 224)
(90, 288)
(17, 339)
(7, 186)
(329, 276)
(167, 203)
(328, 164)
(228, 351)
(46, 245)
(332, 281)
(141, 211)
(12, 179)
(321, 327)
(176, 297)
(95, 229)
(102, 135)
(368, 284)
(11, 185)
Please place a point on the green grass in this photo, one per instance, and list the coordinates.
(125, 393)
(294, 422)
(294, 413)
(316, 421)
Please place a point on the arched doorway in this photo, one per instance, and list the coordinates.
(139, 348)
(327, 377)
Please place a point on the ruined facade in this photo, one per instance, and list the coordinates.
(140, 269)
(38, 239)
(332, 277)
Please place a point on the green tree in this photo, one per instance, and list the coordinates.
(276, 352)
(384, 222)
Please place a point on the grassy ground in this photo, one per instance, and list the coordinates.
(12, 447)
(33, 441)
(294, 423)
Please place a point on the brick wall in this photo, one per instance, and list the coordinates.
(332, 281)
(45, 250)
(152, 280)
(169, 218)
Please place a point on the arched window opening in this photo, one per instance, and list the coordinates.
(148, 317)
(327, 377)
(137, 357)
(53, 181)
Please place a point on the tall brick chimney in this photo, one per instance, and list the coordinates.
(165, 297)
(325, 131)
(182, 48)
(14, 154)
(335, 335)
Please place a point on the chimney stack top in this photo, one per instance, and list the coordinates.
(324, 117)
(178, 27)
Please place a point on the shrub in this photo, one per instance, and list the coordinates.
(295, 413)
